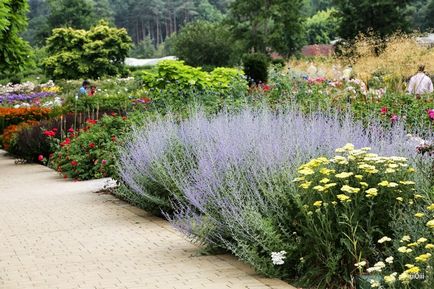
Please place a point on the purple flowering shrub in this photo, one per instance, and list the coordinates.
(225, 180)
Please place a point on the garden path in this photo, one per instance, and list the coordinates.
(59, 234)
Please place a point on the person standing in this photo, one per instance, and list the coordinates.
(420, 83)
(83, 89)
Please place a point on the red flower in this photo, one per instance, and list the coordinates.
(65, 176)
(71, 130)
(49, 133)
(40, 158)
(113, 138)
(266, 87)
(74, 163)
(384, 110)
(124, 118)
(91, 121)
(54, 129)
(146, 100)
(66, 142)
(91, 145)
(113, 114)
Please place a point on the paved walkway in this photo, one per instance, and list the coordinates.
(60, 234)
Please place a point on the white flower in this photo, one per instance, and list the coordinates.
(389, 260)
(380, 265)
(373, 269)
(278, 257)
(360, 264)
(384, 239)
(375, 284)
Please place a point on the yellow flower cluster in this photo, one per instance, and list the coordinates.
(53, 89)
(355, 171)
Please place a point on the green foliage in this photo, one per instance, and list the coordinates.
(143, 49)
(384, 17)
(264, 24)
(89, 153)
(15, 53)
(91, 54)
(204, 43)
(70, 13)
(172, 85)
(322, 27)
(256, 67)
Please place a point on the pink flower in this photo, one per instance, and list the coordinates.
(394, 118)
(384, 110)
(71, 130)
(104, 162)
(40, 158)
(431, 114)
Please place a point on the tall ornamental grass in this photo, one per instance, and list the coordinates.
(226, 180)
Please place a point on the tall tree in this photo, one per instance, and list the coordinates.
(263, 24)
(383, 17)
(14, 51)
(71, 13)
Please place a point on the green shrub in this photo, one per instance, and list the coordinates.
(204, 43)
(90, 153)
(76, 54)
(172, 85)
(256, 67)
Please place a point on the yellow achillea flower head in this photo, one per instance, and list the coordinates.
(392, 185)
(343, 198)
(317, 204)
(390, 279)
(384, 239)
(348, 189)
(306, 171)
(344, 175)
(413, 270)
(404, 277)
(384, 184)
(404, 249)
(305, 185)
(430, 224)
(364, 185)
(429, 246)
(423, 258)
(319, 188)
(422, 240)
(431, 207)
(373, 192)
(419, 215)
(324, 181)
(331, 185)
(405, 239)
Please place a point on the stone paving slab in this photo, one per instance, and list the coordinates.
(58, 234)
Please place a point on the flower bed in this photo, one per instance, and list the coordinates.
(228, 181)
